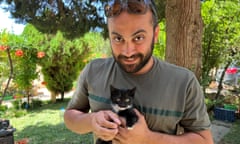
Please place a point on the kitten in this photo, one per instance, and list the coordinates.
(122, 104)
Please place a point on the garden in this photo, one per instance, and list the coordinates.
(52, 60)
(44, 125)
(26, 68)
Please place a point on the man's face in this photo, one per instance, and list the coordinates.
(132, 39)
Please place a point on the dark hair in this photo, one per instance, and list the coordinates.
(151, 5)
(154, 12)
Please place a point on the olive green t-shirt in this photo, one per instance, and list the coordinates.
(168, 96)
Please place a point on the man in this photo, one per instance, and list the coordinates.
(168, 98)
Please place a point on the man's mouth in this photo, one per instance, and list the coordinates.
(130, 61)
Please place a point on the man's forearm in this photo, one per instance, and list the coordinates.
(78, 121)
(202, 137)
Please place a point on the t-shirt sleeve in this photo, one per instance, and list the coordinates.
(195, 116)
(79, 99)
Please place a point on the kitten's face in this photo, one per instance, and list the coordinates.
(122, 99)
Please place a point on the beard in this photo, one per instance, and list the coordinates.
(133, 68)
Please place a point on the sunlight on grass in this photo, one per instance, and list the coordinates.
(233, 136)
(45, 126)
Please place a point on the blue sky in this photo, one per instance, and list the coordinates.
(9, 24)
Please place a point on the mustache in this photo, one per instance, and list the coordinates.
(132, 56)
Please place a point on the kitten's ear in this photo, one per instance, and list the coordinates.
(132, 91)
(112, 88)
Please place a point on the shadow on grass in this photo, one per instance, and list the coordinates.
(44, 125)
(233, 136)
(51, 134)
(49, 105)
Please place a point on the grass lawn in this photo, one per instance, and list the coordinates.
(233, 136)
(45, 126)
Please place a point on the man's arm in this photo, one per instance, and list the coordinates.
(103, 123)
(140, 134)
(77, 121)
(201, 137)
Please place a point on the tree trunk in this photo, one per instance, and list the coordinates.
(184, 34)
(28, 97)
(220, 87)
(10, 75)
(53, 97)
(62, 96)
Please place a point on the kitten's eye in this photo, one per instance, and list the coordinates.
(127, 100)
(118, 99)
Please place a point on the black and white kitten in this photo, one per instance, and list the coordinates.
(122, 104)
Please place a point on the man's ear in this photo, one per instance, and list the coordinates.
(156, 33)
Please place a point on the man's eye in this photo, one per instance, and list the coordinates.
(138, 38)
(118, 39)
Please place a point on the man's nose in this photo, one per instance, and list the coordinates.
(129, 49)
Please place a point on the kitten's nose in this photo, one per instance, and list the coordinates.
(122, 105)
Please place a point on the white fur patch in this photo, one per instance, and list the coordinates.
(116, 108)
(130, 128)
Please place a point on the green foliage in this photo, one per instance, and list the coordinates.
(221, 34)
(3, 70)
(73, 18)
(64, 58)
(20, 60)
(19, 108)
(36, 103)
(4, 64)
(63, 63)
(17, 104)
(97, 43)
(213, 102)
(3, 110)
(159, 49)
(14, 113)
(25, 69)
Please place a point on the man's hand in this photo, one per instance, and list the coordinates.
(105, 124)
(137, 135)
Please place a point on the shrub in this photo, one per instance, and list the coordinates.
(11, 113)
(36, 103)
(3, 109)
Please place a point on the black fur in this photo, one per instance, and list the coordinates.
(122, 104)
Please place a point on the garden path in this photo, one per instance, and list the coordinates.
(219, 130)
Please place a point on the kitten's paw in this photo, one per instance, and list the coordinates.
(130, 128)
